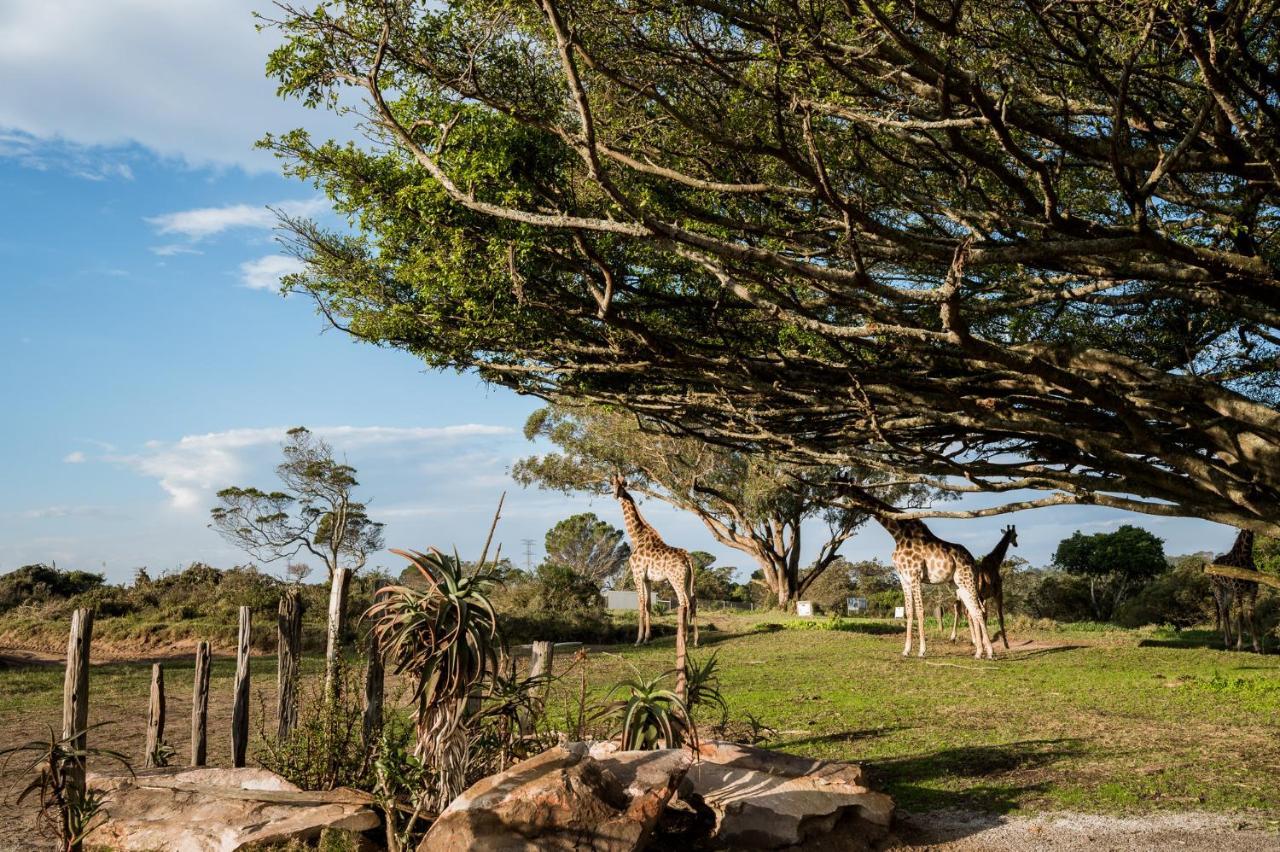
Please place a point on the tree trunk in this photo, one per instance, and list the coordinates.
(240, 697)
(75, 711)
(200, 707)
(337, 617)
(155, 718)
(288, 653)
(682, 664)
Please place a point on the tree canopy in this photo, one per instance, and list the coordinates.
(317, 512)
(999, 245)
(588, 546)
(1114, 563)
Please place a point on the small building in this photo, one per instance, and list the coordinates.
(627, 599)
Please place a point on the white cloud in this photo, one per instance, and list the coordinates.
(184, 79)
(205, 222)
(265, 272)
(193, 467)
(77, 457)
(170, 249)
(47, 512)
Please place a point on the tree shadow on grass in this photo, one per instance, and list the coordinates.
(838, 737)
(1210, 639)
(1001, 775)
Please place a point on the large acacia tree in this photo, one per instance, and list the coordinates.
(1004, 245)
(746, 501)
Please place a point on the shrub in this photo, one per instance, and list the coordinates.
(32, 584)
(1181, 597)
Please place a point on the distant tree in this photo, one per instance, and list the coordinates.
(590, 547)
(316, 512)
(746, 501)
(1266, 553)
(832, 590)
(1114, 563)
(296, 572)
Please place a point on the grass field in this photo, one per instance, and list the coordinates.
(1075, 718)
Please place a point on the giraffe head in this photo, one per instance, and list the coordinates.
(1011, 534)
(619, 485)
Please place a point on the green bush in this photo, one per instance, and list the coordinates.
(35, 584)
(1181, 597)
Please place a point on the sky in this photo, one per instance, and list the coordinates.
(147, 359)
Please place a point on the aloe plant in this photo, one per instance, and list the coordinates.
(651, 715)
(445, 637)
(703, 686)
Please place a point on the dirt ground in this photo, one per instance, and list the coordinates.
(959, 831)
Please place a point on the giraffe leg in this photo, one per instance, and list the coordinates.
(642, 611)
(981, 641)
(1239, 622)
(693, 609)
(907, 610)
(955, 618)
(1253, 623)
(918, 603)
(1004, 634)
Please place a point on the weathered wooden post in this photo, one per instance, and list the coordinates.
(155, 717)
(541, 656)
(374, 690)
(240, 697)
(682, 661)
(333, 644)
(75, 709)
(200, 707)
(288, 653)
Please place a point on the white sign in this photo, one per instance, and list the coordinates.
(856, 604)
(804, 608)
(899, 612)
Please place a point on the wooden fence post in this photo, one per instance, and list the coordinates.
(200, 707)
(288, 653)
(155, 717)
(374, 690)
(333, 644)
(75, 706)
(682, 660)
(240, 698)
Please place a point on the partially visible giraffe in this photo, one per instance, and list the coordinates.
(1243, 593)
(652, 559)
(990, 584)
(921, 557)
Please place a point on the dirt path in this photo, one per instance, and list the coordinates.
(966, 831)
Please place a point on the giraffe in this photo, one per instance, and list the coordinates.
(989, 582)
(1243, 593)
(920, 557)
(652, 559)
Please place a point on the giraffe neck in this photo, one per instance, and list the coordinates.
(996, 557)
(900, 530)
(1241, 552)
(637, 528)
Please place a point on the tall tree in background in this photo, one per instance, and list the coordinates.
(1115, 563)
(1000, 245)
(747, 502)
(590, 547)
(316, 512)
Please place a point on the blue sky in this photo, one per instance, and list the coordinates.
(147, 359)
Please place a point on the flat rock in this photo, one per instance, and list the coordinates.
(771, 800)
(219, 810)
(563, 799)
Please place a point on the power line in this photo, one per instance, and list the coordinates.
(528, 553)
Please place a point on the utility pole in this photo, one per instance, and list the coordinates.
(528, 553)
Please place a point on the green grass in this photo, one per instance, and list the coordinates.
(1106, 721)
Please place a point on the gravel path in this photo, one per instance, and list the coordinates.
(961, 831)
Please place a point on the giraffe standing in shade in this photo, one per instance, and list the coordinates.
(653, 560)
(1242, 593)
(990, 584)
(921, 557)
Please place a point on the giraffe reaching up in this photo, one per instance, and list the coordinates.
(653, 560)
(989, 582)
(1242, 593)
(921, 557)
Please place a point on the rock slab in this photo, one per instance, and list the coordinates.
(770, 800)
(563, 799)
(219, 810)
